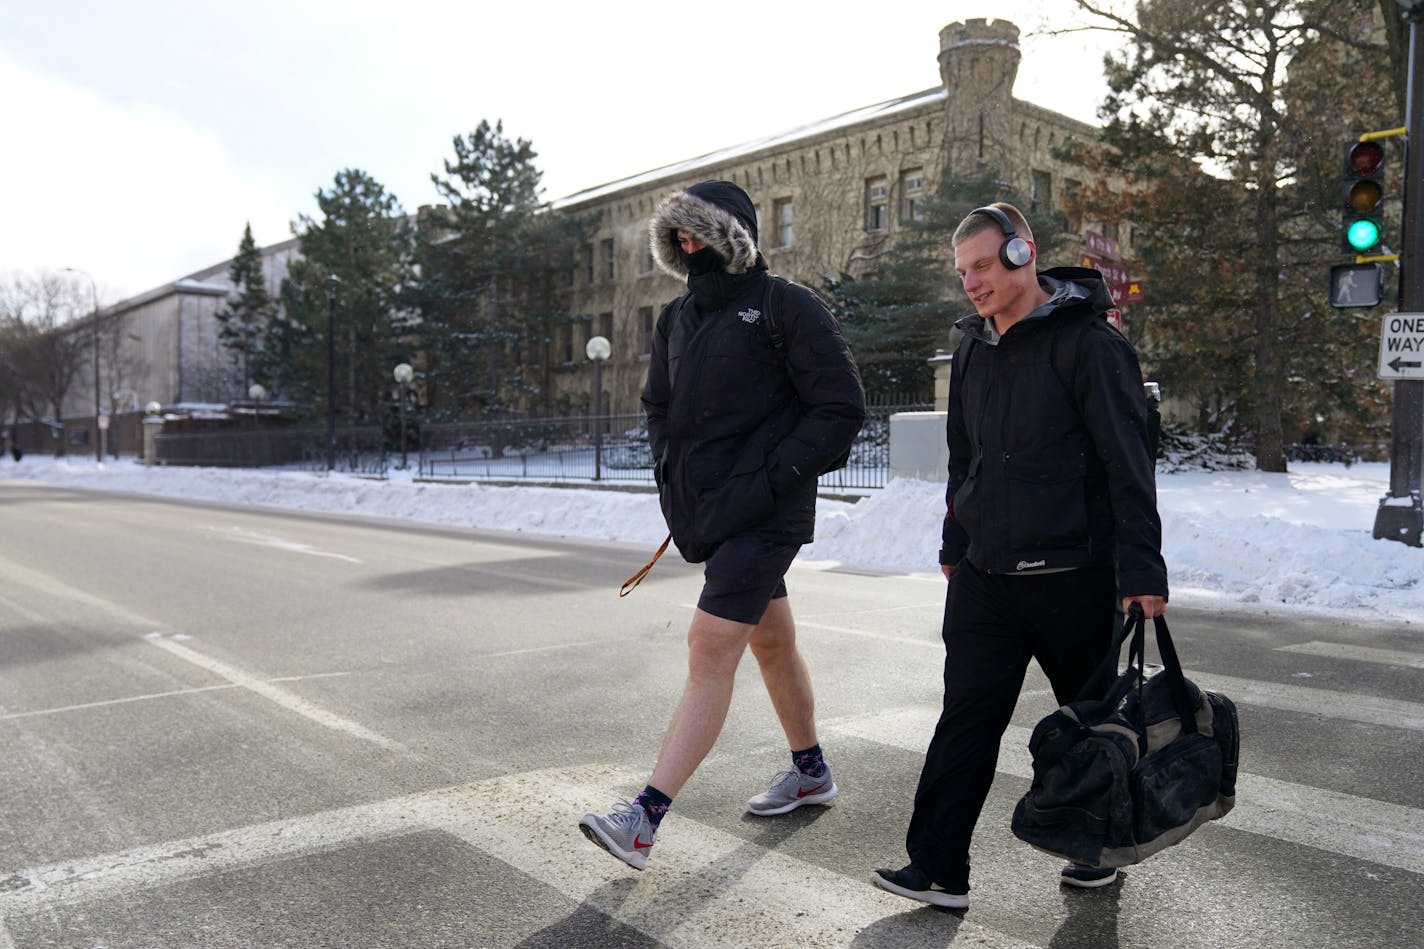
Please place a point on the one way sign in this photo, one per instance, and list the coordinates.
(1402, 346)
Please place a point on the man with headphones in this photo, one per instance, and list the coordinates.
(1052, 508)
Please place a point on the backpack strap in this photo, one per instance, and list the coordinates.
(771, 305)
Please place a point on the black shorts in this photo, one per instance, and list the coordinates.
(743, 575)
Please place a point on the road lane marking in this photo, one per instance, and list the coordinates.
(48, 585)
(704, 887)
(243, 535)
(1386, 657)
(157, 695)
(1363, 828)
(1350, 706)
(274, 693)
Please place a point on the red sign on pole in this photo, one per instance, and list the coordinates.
(1123, 288)
(1100, 246)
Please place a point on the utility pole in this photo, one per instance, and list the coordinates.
(1400, 515)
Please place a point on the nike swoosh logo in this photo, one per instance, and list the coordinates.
(638, 843)
(802, 792)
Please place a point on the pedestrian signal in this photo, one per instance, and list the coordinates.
(1363, 195)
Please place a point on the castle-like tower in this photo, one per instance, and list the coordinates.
(978, 63)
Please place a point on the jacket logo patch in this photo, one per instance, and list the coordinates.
(749, 315)
(1025, 565)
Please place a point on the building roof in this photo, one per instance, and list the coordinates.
(722, 155)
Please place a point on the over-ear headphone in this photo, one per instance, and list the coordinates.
(1015, 251)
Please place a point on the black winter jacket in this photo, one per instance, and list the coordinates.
(1041, 477)
(739, 429)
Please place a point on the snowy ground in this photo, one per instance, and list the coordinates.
(1298, 541)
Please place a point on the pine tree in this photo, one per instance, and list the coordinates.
(1208, 115)
(243, 322)
(494, 266)
(363, 241)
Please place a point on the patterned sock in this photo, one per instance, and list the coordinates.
(810, 762)
(654, 803)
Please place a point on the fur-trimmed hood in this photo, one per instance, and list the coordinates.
(720, 214)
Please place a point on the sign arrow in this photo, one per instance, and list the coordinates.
(1399, 365)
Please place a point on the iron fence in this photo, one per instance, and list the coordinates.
(610, 449)
(357, 450)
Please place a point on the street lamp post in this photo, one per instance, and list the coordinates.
(598, 349)
(99, 420)
(332, 282)
(403, 374)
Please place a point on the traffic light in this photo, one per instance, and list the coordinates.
(1363, 193)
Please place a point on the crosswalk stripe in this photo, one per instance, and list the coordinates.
(1373, 710)
(1363, 828)
(1385, 657)
(744, 892)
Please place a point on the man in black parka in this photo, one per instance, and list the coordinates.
(741, 421)
(1052, 510)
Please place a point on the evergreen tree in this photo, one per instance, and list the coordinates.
(1216, 120)
(362, 240)
(243, 322)
(495, 267)
(901, 309)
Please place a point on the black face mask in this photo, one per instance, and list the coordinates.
(704, 261)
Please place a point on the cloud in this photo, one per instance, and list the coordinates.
(131, 194)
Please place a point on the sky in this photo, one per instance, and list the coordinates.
(1242, 540)
(141, 137)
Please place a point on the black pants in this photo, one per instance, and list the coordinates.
(993, 625)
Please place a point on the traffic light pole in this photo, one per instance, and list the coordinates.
(1401, 516)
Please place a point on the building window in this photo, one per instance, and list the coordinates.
(1110, 230)
(912, 195)
(877, 203)
(1070, 205)
(605, 326)
(781, 214)
(645, 320)
(564, 350)
(588, 264)
(608, 271)
(1040, 192)
(645, 265)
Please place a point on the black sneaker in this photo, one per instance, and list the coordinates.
(911, 883)
(1085, 877)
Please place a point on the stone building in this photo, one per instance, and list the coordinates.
(830, 195)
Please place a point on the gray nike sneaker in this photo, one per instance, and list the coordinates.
(626, 833)
(790, 789)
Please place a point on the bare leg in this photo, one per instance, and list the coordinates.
(787, 679)
(715, 647)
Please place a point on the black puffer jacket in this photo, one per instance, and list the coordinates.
(1041, 477)
(740, 430)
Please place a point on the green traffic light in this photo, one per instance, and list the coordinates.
(1363, 234)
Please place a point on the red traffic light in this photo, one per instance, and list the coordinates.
(1365, 158)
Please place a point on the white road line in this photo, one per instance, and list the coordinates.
(57, 588)
(1354, 707)
(704, 887)
(274, 693)
(264, 539)
(1386, 657)
(1373, 710)
(156, 695)
(1366, 829)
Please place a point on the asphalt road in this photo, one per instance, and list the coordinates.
(244, 727)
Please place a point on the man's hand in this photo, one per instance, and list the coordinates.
(1151, 605)
(946, 569)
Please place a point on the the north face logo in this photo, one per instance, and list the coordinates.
(749, 315)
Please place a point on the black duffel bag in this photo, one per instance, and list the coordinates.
(1119, 778)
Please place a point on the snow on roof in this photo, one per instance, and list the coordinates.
(679, 169)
